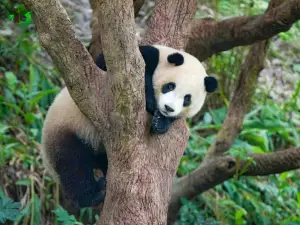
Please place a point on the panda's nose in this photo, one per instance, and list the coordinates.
(169, 109)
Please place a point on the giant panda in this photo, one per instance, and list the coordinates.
(176, 85)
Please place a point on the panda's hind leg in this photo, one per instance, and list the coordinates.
(74, 163)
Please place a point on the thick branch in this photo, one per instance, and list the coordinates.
(170, 23)
(95, 46)
(124, 64)
(275, 162)
(242, 95)
(209, 37)
(240, 101)
(220, 169)
(77, 68)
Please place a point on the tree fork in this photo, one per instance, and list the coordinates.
(141, 167)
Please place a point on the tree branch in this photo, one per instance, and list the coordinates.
(240, 31)
(241, 100)
(274, 162)
(219, 169)
(124, 63)
(95, 46)
(78, 70)
(170, 23)
(242, 95)
(216, 168)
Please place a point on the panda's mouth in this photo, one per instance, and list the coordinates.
(164, 113)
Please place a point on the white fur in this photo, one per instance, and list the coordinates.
(189, 79)
(62, 116)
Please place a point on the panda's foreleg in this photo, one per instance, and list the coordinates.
(160, 123)
(75, 162)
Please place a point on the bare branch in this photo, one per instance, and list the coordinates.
(274, 162)
(209, 37)
(242, 95)
(219, 169)
(170, 23)
(241, 100)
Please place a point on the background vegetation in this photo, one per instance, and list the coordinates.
(28, 84)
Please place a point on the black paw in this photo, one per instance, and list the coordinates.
(156, 129)
(158, 123)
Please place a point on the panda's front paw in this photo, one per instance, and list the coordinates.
(158, 124)
(158, 130)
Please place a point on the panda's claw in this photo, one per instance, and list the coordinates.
(158, 125)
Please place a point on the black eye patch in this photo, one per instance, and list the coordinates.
(187, 100)
(168, 87)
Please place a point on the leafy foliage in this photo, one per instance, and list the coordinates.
(9, 209)
(64, 217)
(269, 126)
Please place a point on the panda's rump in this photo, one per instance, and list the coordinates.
(70, 152)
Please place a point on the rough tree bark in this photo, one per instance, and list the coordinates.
(95, 46)
(239, 31)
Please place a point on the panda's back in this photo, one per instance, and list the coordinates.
(64, 118)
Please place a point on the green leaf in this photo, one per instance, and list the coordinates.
(239, 216)
(29, 118)
(296, 68)
(298, 199)
(207, 118)
(11, 80)
(218, 115)
(64, 217)
(9, 209)
(23, 182)
(39, 95)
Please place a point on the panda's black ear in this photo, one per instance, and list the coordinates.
(100, 62)
(176, 58)
(211, 84)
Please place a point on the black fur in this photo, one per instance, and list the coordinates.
(160, 123)
(176, 59)
(211, 84)
(74, 163)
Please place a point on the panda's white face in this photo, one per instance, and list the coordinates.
(180, 97)
(172, 102)
(179, 90)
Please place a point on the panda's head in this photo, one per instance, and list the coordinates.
(180, 83)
